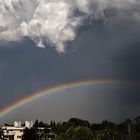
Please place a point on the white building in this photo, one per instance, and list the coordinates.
(29, 124)
(15, 132)
(17, 124)
(12, 133)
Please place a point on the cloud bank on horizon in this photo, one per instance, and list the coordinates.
(56, 21)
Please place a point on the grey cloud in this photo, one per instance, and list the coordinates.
(2, 29)
(54, 22)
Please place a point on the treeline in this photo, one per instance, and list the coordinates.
(78, 129)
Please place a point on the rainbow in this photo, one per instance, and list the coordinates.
(55, 89)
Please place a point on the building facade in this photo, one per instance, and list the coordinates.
(16, 131)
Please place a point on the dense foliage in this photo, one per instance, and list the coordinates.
(30, 134)
(77, 129)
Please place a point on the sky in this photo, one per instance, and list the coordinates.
(48, 42)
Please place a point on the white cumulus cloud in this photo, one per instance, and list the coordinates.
(54, 21)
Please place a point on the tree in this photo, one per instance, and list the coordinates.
(36, 123)
(76, 133)
(30, 134)
(41, 124)
(79, 122)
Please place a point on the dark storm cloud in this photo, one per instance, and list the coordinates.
(126, 62)
(26, 69)
(106, 47)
